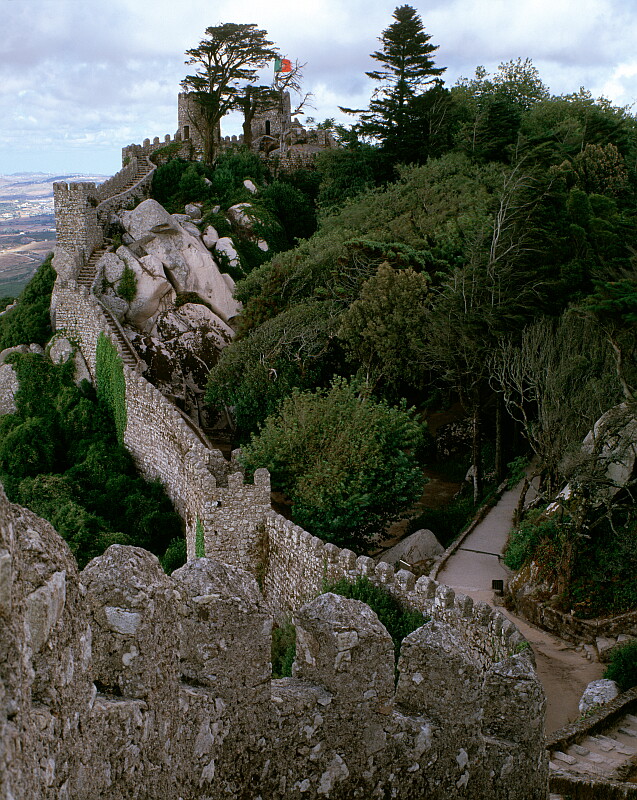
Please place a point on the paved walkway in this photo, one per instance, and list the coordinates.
(564, 672)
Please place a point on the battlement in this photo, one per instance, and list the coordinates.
(122, 681)
(297, 566)
(82, 212)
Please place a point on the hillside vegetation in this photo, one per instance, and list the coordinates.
(497, 269)
(485, 260)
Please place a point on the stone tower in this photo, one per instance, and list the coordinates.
(190, 123)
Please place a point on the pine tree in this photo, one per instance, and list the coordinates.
(229, 56)
(407, 68)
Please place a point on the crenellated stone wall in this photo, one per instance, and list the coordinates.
(131, 684)
(196, 478)
(181, 148)
(82, 212)
(78, 231)
(124, 683)
(298, 566)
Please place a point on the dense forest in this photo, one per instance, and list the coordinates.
(474, 244)
(471, 247)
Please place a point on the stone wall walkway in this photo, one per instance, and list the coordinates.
(564, 672)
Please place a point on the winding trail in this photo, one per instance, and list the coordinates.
(563, 671)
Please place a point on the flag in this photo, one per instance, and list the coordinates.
(282, 65)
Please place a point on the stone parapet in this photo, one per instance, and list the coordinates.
(297, 566)
(123, 682)
(568, 626)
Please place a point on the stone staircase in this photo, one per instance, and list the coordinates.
(126, 349)
(86, 275)
(611, 756)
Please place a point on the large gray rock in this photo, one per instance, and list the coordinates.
(110, 266)
(612, 447)
(210, 237)
(597, 693)
(226, 247)
(184, 257)
(618, 431)
(420, 546)
(240, 215)
(61, 350)
(9, 385)
(191, 228)
(193, 210)
(182, 347)
(152, 286)
(148, 217)
(19, 348)
(152, 289)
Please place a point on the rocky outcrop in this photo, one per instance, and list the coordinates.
(9, 385)
(186, 261)
(419, 546)
(150, 282)
(180, 350)
(597, 693)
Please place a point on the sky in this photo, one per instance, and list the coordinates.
(79, 80)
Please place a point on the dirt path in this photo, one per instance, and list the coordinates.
(563, 671)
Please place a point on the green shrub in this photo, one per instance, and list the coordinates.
(524, 541)
(178, 182)
(111, 385)
(127, 286)
(190, 297)
(399, 621)
(200, 540)
(218, 222)
(292, 209)
(623, 667)
(59, 456)
(517, 471)
(346, 461)
(445, 522)
(283, 650)
(30, 321)
(175, 555)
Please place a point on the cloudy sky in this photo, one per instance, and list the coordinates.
(79, 80)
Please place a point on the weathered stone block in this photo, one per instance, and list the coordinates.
(341, 645)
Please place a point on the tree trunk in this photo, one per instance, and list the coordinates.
(500, 445)
(247, 130)
(209, 148)
(476, 451)
(517, 515)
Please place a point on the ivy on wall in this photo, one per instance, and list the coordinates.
(111, 385)
(200, 545)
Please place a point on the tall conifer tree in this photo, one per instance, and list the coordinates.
(407, 67)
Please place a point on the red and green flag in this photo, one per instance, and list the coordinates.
(282, 65)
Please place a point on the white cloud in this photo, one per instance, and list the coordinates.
(94, 76)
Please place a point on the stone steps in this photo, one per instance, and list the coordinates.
(86, 275)
(611, 756)
(129, 356)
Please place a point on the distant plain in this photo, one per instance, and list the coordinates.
(27, 225)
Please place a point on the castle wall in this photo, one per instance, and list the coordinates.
(82, 212)
(142, 686)
(297, 566)
(165, 448)
(77, 227)
(122, 682)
